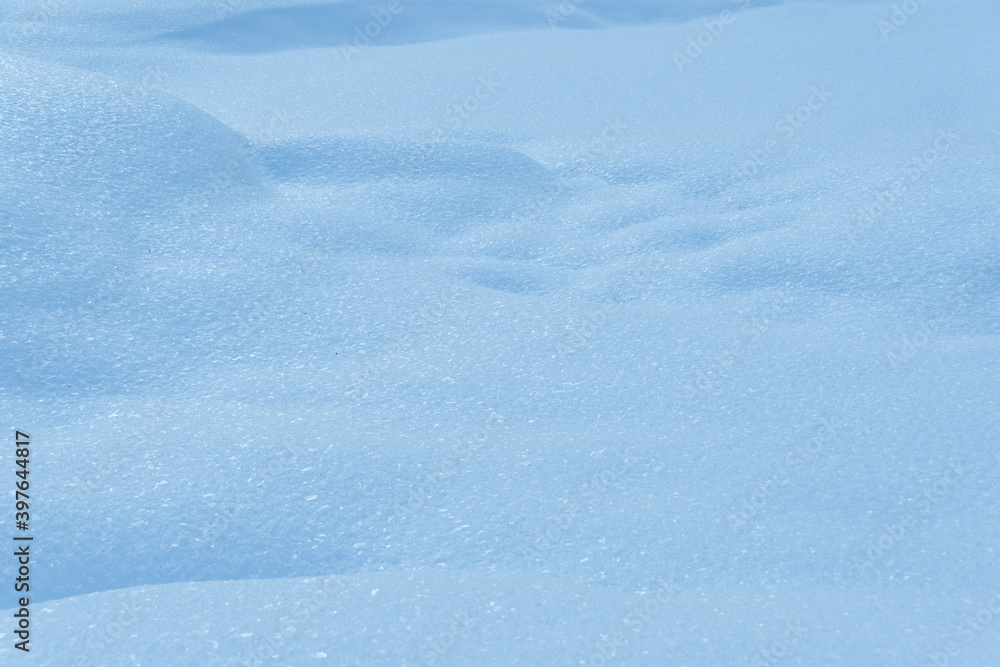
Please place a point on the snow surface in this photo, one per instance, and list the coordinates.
(511, 335)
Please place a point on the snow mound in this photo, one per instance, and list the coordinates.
(426, 617)
(360, 23)
(97, 149)
(97, 179)
(88, 169)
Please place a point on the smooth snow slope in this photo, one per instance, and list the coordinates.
(505, 331)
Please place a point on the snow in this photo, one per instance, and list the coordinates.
(520, 333)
